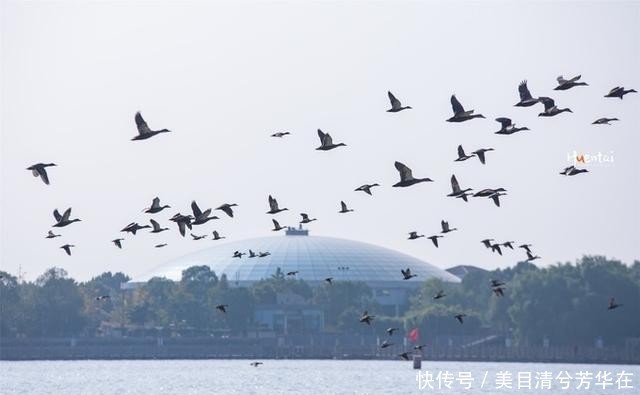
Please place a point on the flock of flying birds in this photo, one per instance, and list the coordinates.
(507, 127)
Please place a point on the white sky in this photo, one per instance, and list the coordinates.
(224, 76)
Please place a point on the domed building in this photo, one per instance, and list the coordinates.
(314, 258)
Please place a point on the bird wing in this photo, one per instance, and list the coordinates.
(404, 273)
(480, 154)
(445, 225)
(215, 234)
(321, 136)
(529, 255)
(548, 103)
(405, 172)
(155, 224)
(454, 184)
(56, 215)
(182, 227)
(496, 199)
(155, 203)
(504, 122)
(227, 210)
(67, 214)
(395, 103)
(524, 91)
(196, 210)
(43, 174)
(343, 205)
(576, 78)
(460, 151)
(561, 80)
(304, 216)
(275, 224)
(143, 128)
(455, 104)
(435, 241)
(273, 203)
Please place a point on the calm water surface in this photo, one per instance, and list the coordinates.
(279, 377)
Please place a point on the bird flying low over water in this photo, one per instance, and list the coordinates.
(460, 317)
(155, 206)
(439, 295)
(51, 235)
(550, 108)
(329, 280)
(134, 227)
(407, 274)
(40, 170)
(227, 208)
(306, 219)
(67, 248)
(414, 235)
(273, 206)
(459, 114)
(456, 191)
(572, 171)
(222, 307)
(619, 91)
(117, 242)
(343, 208)
(480, 152)
(612, 304)
(216, 236)
(366, 317)
(434, 239)
(563, 84)
(326, 142)
(508, 127)
(406, 176)
(200, 217)
(604, 121)
(280, 134)
(395, 104)
(63, 220)
(143, 129)
(445, 227)
(276, 226)
(462, 156)
(526, 100)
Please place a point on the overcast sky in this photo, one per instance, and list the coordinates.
(223, 76)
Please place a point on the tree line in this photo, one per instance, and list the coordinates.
(566, 303)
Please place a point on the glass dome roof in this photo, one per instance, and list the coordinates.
(314, 257)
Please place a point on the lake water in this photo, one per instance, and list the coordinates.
(185, 377)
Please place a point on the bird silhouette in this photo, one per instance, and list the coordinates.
(366, 188)
(396, 106)
(366, 317)
(407, 274)
(507, 127)
(326, 142)
(155, 206)
(526, 100)
(563, 84)
(343, 208)
(227, 208)
(406, 176)
(619, 92)
(273, 206)
(550, 108)
(63, 220)
(459, 114)
(143, 129)
(40, 170)
(67, 248)
(117, 242)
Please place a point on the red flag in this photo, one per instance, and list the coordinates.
(413, 335)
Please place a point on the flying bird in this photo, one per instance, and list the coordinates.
(550, 108)
(439, 295)
(496, 198)
(456, 191)
(292, 273)
(527, 247)
(508, 244)
(238, 254)
(329, 280)
(404, 355)
(366, 317)
(155, 206)
(604, 121)
(143, 129)
(488, 192)
(40, 170)
(326, 142)
(276, 226)
(619, 91)
(273, 206)
(391, 330)
(103, 297)
(366, 188)
(306, 219)
(263, 254)
(434, 239)
(487, 242)
(496, 248)
(526, 100)
(227, 208)
(343, 208)
(612, 304)
(51, 235)
(183, 222)
(134, 227)
(200, 217)
(117, 242)
(407, 275)
(156, 227)
(280, 134)
(462, 156)
(480, 152)
(460, 317)
(256, 364)
(63, 220)
(395, 104)
(222, 308)
(216, 236)
(498, 291)
(406, 176)
(67, 248)
(507, 127)
(445, 227)
(496, 283)
(572, 171)
(386, 344)
(563, 84)
(531, 257)
(459, 114)
(198, 237)
(160, 245)
(414, 235)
